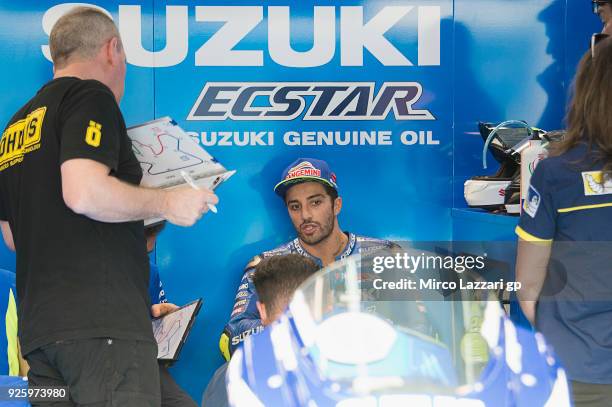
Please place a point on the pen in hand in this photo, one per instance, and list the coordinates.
(192, 184)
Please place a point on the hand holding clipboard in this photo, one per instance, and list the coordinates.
(171, 330)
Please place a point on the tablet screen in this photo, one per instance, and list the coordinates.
(171, 330)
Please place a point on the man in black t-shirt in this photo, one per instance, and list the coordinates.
(72, 208)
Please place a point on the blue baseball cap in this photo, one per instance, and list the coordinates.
(305, 170)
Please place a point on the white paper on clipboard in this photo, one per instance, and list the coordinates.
(163, 150)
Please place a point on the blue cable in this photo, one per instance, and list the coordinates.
(494, 131)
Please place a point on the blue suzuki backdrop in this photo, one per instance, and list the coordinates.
(388, 92)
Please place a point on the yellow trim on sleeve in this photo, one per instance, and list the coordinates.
(528, 236)
(224, 346)
(580, 208)
(12, 349)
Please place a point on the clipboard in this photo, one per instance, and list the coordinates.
(171, 330)
(164, 150)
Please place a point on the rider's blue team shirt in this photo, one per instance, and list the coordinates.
(569, 206)
(245, 319)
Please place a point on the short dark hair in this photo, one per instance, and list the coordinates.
(332, 192)
(276, 278)
(329, 190)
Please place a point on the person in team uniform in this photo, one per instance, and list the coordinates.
(310, 192)
(172, 395)
(72, 208)
(565, 237)
(276, 279)
(11, 360)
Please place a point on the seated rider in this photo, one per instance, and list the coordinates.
(310, 192)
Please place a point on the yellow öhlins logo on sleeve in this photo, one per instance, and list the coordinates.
(20, 138)
(94, 134)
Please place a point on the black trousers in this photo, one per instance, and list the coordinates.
(171, 394)
(99, 372)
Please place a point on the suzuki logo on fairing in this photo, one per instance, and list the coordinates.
(356, 35)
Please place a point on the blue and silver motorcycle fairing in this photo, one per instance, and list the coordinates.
(333, 348)
(522, 372)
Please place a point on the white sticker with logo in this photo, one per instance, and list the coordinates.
(532, 203)
(593, 184)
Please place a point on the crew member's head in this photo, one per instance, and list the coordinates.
(151, 232)
(309, 190)
(589, 118)
(603, 8)
(276, 278)
(88, 37)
